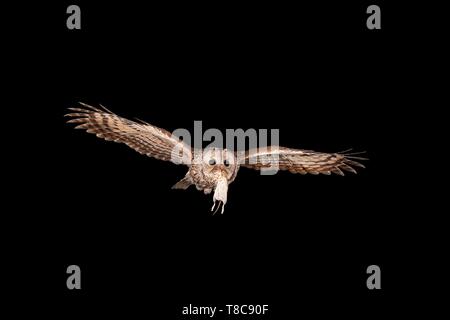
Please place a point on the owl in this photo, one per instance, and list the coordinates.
(210, 169)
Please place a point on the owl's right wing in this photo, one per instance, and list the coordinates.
(142, 137)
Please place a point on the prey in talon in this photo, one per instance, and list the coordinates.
(210, 169)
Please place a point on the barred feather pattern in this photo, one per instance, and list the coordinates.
(142, 137)
(300, 161)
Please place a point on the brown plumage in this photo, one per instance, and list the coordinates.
(209, 169)
(142, 137)
(301, 161)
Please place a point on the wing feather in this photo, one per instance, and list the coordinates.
(300, 161)
(142, 137)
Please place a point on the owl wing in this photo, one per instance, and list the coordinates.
(300, 161)
(142, 137)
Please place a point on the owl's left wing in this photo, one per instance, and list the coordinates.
(299, 161)
(142, 137)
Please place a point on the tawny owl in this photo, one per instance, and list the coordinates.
(210, 169)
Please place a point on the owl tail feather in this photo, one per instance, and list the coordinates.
(182, 184)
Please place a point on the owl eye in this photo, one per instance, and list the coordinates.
(226, 163)
(212, 162)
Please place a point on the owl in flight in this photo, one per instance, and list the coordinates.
(210, 169)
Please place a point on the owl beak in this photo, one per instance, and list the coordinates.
(220, 194)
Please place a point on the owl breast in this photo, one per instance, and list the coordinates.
(202, 181)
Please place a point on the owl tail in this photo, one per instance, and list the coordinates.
(183, 183)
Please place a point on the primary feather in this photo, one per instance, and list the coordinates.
(142, 137)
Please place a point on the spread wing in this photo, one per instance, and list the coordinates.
(142, 137)
(300, 161)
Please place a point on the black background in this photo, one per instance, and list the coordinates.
(298, 243)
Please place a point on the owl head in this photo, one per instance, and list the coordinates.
(219, 163)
